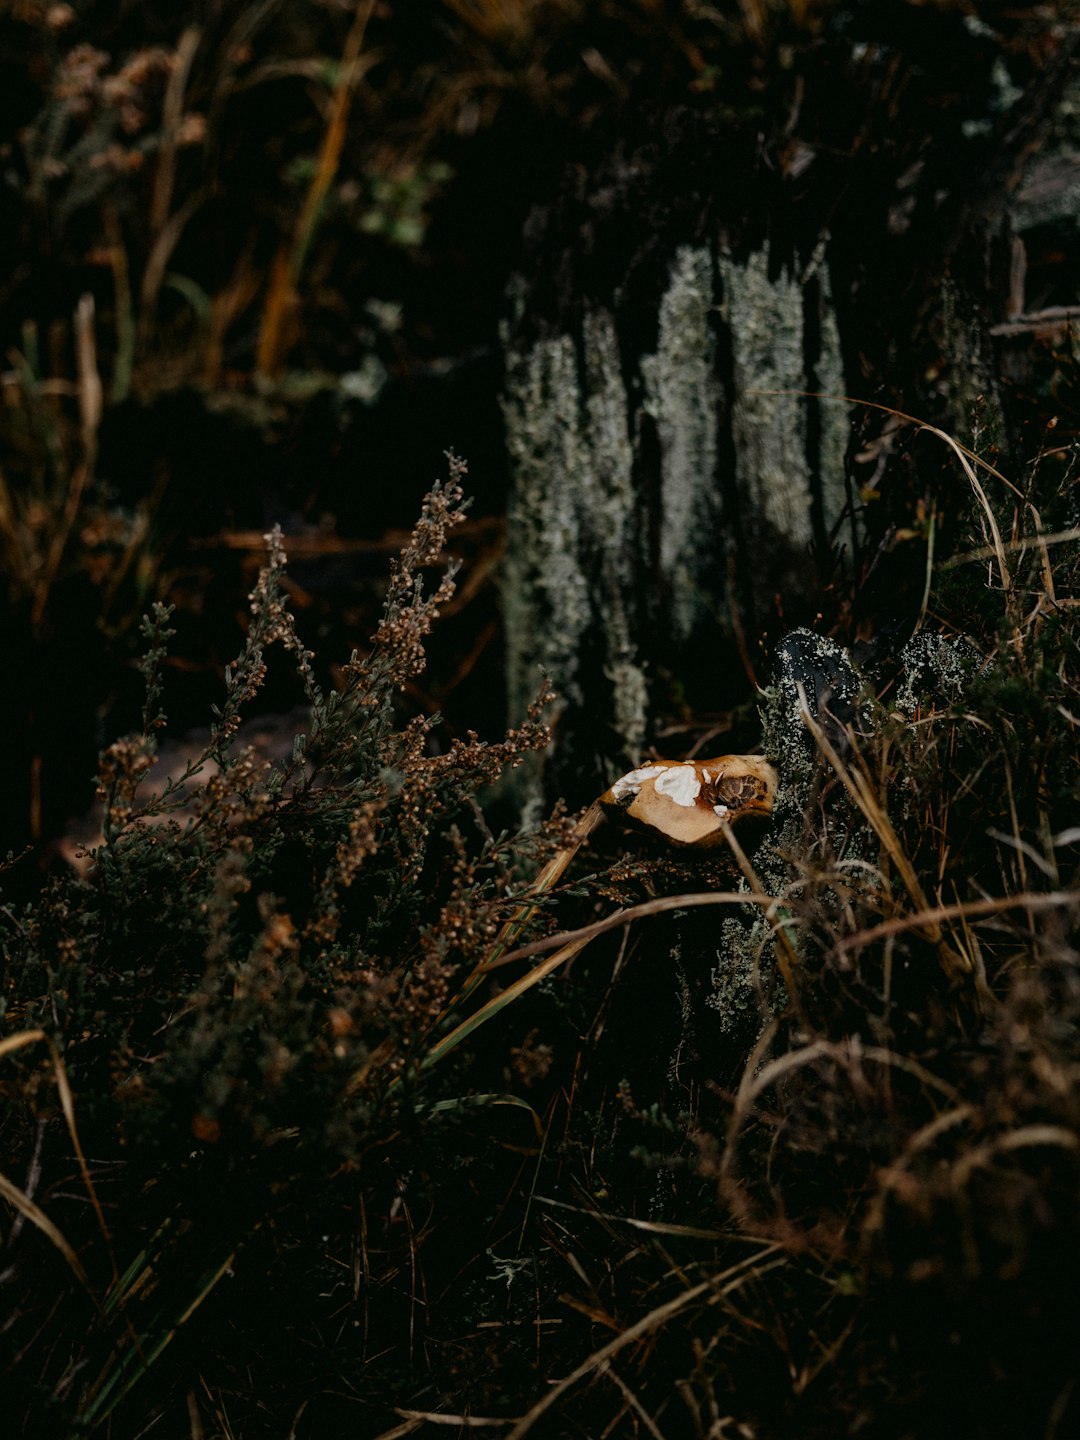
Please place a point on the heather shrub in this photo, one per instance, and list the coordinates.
(245, 988)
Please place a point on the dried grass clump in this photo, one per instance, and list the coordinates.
(870, 1223)
(896, 1168)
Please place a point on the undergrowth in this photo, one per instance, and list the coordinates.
(264, 1174)
(245, 989)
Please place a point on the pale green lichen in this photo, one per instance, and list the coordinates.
(631, 705)
(745, 968)
(614, 516)
(938, 670)
(573, 523)
(765, 318)
(546, 593)
(831, 688)
(744, 971)
(682, 395)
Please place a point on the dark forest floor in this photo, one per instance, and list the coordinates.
(293, 1142)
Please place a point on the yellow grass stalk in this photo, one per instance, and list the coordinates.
(289, 261)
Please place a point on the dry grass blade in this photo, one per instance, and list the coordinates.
(90, 392)
(928, 582)
(650, 1227)
(925, 919)
(962, 454)
(719, 1285)
(172, 114)
(858, 785)
(67, 1104)
(786, 957)
(290, 258)
(1057, 537)
(632, 1400)
(1044, 556)
(1027, 1137)
(547, 877)
(506, 997)
(22, 1202)
(660, 906)
(397, 1432)
(16, 1042)
(463, 1422)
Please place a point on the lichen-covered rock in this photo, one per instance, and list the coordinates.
(812, 670)
(822, 671)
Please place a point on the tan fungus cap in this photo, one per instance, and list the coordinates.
(690, 801)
